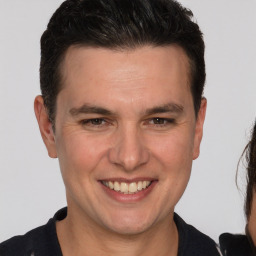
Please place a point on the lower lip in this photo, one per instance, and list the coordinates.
(129, 198)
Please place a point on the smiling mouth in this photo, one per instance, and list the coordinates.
(127, 188)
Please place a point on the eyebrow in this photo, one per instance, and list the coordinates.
(90, 109)
(166, 108)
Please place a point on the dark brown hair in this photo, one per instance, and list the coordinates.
(118, 24)
(251, 172)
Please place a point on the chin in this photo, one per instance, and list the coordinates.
(129, 230)
(129, 225)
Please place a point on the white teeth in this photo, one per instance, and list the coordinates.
(133, 187)
(127, 188)
(140, 185)
(116, 186)
(124, 188)
(111, 185)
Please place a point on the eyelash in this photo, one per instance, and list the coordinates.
(166, 121)
(162, 122)
(90, 121)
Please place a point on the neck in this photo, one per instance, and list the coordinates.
(82, 237)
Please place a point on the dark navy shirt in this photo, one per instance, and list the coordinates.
(43, 241)
(237, 245)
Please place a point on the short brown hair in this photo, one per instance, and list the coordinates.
(251, 172)
(118, 24)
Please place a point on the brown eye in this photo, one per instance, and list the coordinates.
(94, 122)
(159, 120)
(97, 121)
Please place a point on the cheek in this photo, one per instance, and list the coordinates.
(173, 149)
(174, 154)
(78, 154)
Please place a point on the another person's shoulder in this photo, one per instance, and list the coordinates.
(39, 241)
(236, 245)
(192, 242)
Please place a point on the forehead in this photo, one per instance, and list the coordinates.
(113, 63)
(143, 73)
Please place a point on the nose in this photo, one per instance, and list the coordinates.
(129, 150)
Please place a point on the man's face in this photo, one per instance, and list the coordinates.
(125, 119)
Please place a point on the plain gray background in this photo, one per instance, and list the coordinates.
(31, 188)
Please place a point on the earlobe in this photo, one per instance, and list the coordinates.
(199, 128)
(45, 126)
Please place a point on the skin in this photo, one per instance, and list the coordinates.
(149, 131)
(252, 220)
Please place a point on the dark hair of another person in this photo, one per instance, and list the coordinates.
(251, 172)
(119, 25)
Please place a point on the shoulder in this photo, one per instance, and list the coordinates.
(192, 242)
(235, 245)
(39, 241)
(24, 244)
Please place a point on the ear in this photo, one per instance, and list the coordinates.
(199, 128)
(45, 126)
